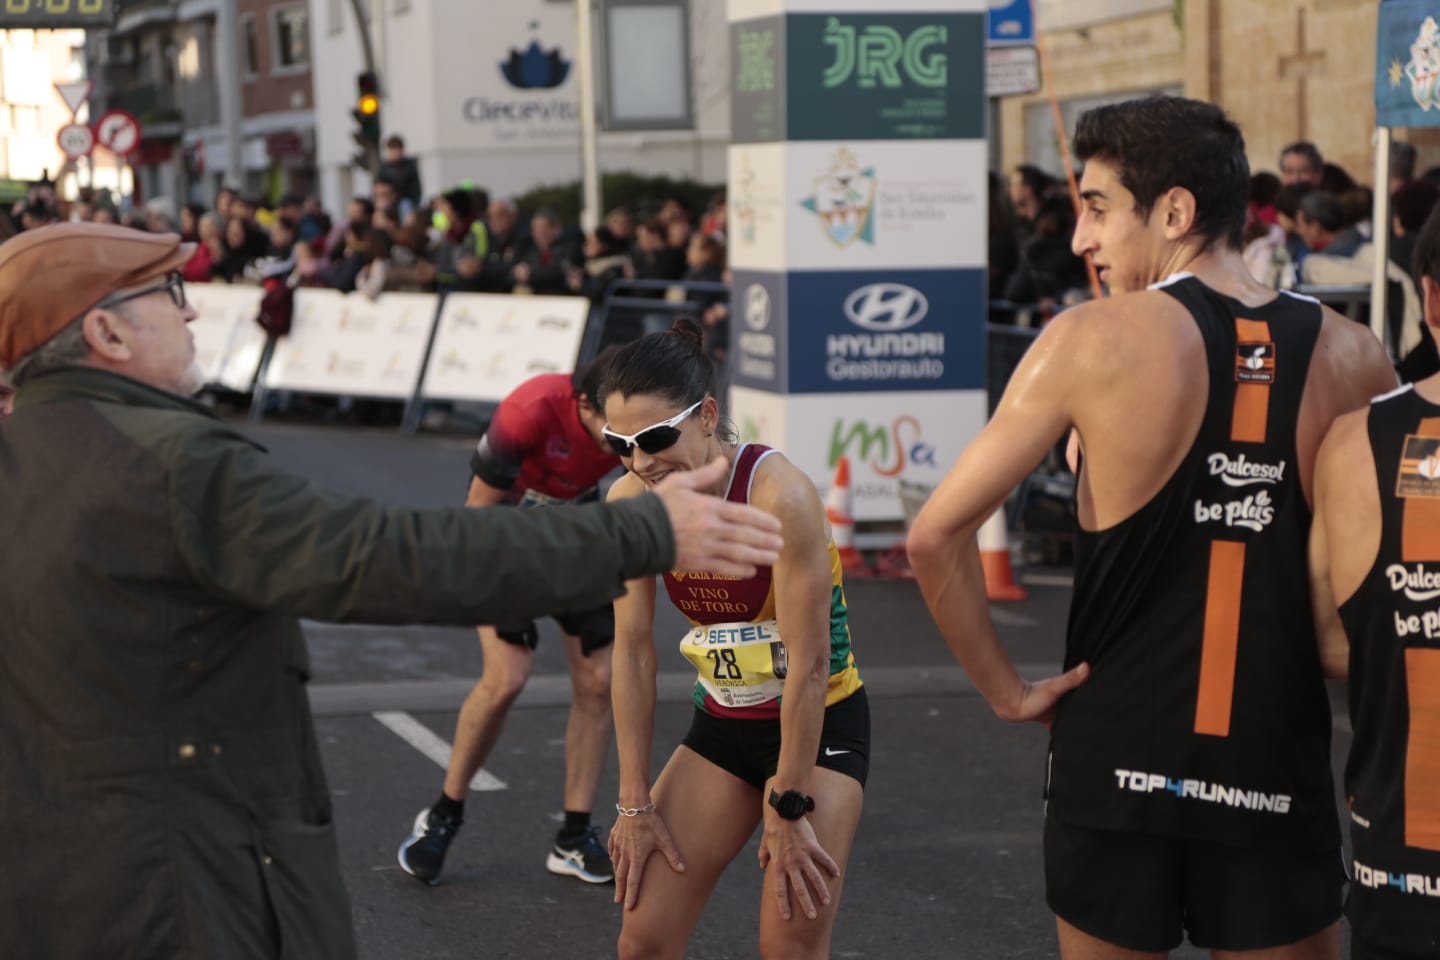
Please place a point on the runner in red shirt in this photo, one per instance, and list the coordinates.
(543, 447)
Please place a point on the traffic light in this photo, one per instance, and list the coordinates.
(367, 121)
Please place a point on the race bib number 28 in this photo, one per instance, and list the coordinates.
(740, 664)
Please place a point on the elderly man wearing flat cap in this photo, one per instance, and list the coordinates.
(161, 793)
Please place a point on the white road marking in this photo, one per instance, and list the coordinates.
(422, 738)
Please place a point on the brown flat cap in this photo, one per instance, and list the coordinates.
(51, 275)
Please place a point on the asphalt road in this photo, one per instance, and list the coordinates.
(947, 862)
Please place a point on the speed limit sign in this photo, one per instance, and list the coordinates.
(76, 140)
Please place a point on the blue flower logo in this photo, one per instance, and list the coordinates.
(535, 68)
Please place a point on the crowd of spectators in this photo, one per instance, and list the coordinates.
(396, 239)
(1308, 224)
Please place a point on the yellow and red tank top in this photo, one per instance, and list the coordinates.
(734, 641)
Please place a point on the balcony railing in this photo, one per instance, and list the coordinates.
(152, 105)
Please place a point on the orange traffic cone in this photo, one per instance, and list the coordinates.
(995, 559)
(840, 513)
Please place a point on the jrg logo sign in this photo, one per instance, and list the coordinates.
(880, 53)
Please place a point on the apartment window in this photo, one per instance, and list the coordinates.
(250, 47)
(289, 28)
(647, 65)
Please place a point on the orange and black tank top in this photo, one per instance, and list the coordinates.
(734, 640)
(1205, 714)
(1392, 780)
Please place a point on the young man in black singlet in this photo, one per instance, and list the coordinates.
(1189, 761)
(1375, 548)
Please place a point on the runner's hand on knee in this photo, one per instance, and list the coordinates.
(711, 534)
(799, 861)
(632, 840)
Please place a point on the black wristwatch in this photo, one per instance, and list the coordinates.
(792, 804)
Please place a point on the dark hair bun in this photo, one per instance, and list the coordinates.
(689, 331)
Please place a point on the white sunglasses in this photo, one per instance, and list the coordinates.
(653, 439)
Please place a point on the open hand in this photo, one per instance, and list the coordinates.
(713, 535)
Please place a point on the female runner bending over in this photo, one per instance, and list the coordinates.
(781, 731)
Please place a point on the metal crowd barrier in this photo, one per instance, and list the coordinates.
(621, 314)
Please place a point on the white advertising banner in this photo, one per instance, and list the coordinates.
(228, 340)
(888, 437)
(757, 208)
(880, 204)
(488, 344)
(349, 345)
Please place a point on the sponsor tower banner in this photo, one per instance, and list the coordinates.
(857, 186)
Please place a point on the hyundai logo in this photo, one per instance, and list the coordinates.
(757, 307)
(886, 307)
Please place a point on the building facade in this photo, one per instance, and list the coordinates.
(160, 63)
(1286, 70)
(31, 111)
(489, 92)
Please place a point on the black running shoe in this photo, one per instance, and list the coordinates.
(583, 856)
(423, 852)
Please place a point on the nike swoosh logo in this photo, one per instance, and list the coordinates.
(834, 753)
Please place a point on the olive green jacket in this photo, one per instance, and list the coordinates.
(161, 792)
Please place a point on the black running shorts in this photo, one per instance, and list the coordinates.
(1142, 892)
(1360, 950)
(750, 749)
(595, 628)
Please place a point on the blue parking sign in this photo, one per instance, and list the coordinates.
(1011, 21)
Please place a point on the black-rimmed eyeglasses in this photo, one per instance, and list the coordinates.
(174, 286)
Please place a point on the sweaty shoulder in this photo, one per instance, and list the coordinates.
(1118, 318)
(1116, 334)
(1349, 366)
(786, 492)
(626, 487)
(779, 486)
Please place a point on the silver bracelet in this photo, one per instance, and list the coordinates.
(634, 811)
